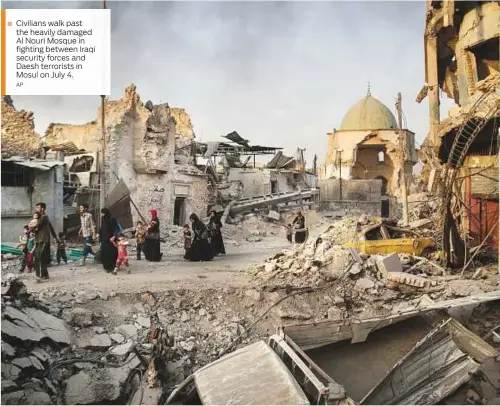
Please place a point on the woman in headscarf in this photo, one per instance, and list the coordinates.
(216, 241)
(109, 229)
(300, 227)
(151, 249)
(200, 247)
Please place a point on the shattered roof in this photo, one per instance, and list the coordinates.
(236, 138)
(40, 164)
(280, 161)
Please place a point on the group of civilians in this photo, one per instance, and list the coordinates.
(205, 240)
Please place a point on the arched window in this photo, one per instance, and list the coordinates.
(381, 157)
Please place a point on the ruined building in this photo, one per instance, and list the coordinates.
(150, 147)
(18, 131)
(27, 178)
(461, 151)
(367, 146)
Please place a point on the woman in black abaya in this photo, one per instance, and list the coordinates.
(216, 241)
(300, 226)
(200, 247)
(109, 228)
(152, 249)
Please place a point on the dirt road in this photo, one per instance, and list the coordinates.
(173, 272)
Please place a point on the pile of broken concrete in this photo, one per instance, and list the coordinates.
(323, 260)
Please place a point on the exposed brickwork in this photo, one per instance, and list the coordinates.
(18, 131)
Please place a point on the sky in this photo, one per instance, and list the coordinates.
(279, 73)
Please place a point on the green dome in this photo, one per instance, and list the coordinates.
(368, 114)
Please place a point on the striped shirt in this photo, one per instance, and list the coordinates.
(88, 226)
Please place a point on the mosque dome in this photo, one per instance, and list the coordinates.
(368, 114)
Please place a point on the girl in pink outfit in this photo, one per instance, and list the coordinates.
(121, 244)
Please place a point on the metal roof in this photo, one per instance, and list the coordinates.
(40, 164)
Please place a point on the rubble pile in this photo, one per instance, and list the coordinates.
(362, 283)
(320, 259)
(65, 347)
(32, 338)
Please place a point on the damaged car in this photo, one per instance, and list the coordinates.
(386, 238)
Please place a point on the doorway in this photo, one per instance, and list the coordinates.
(274, 186)
(385, 208)
(179, 211)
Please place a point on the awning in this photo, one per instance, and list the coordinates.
(39, 164)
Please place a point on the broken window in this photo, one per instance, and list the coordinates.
(381, 157)
(16, 175)
(487, 55)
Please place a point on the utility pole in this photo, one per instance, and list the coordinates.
(340, 173)
(315, 160)
(102, 172)
(402, 150)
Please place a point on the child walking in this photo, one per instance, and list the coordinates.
(61, 249)
(187, 241)
(121, 244)
(140, 237)
(27, 245)
(289, 233)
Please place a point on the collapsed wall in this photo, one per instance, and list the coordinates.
(18, 130)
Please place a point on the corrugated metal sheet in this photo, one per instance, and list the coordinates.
(39, 164)
(438, 365)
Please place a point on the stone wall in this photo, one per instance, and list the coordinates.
(18, 131)
(18, 205)
(352, 207)
(359, 190)
(255, 182)
(84, 136)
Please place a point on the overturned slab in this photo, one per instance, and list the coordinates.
(314, 335)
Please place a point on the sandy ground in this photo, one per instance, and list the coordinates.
(173, 272)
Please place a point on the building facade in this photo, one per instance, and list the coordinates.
(367, 146)
(461, 151)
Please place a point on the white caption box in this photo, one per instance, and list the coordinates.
(57, 52)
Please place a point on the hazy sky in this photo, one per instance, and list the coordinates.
(279, 73)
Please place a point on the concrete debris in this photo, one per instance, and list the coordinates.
(422, 223)
(363, 284)
(274, 215)
(391, 263)
(128, 330)
(123, 349)
(117, 338)
(99, 341)
(78, 316)
(409, 279)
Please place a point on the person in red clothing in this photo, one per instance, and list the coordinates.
(121, 244)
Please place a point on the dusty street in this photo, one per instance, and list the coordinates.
(171, 273)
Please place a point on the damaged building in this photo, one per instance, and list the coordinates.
(460, 152)
(27, 178)
(363, 158)
(150, 148)
(278, 183)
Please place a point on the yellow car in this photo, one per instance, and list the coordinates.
(387, 239)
